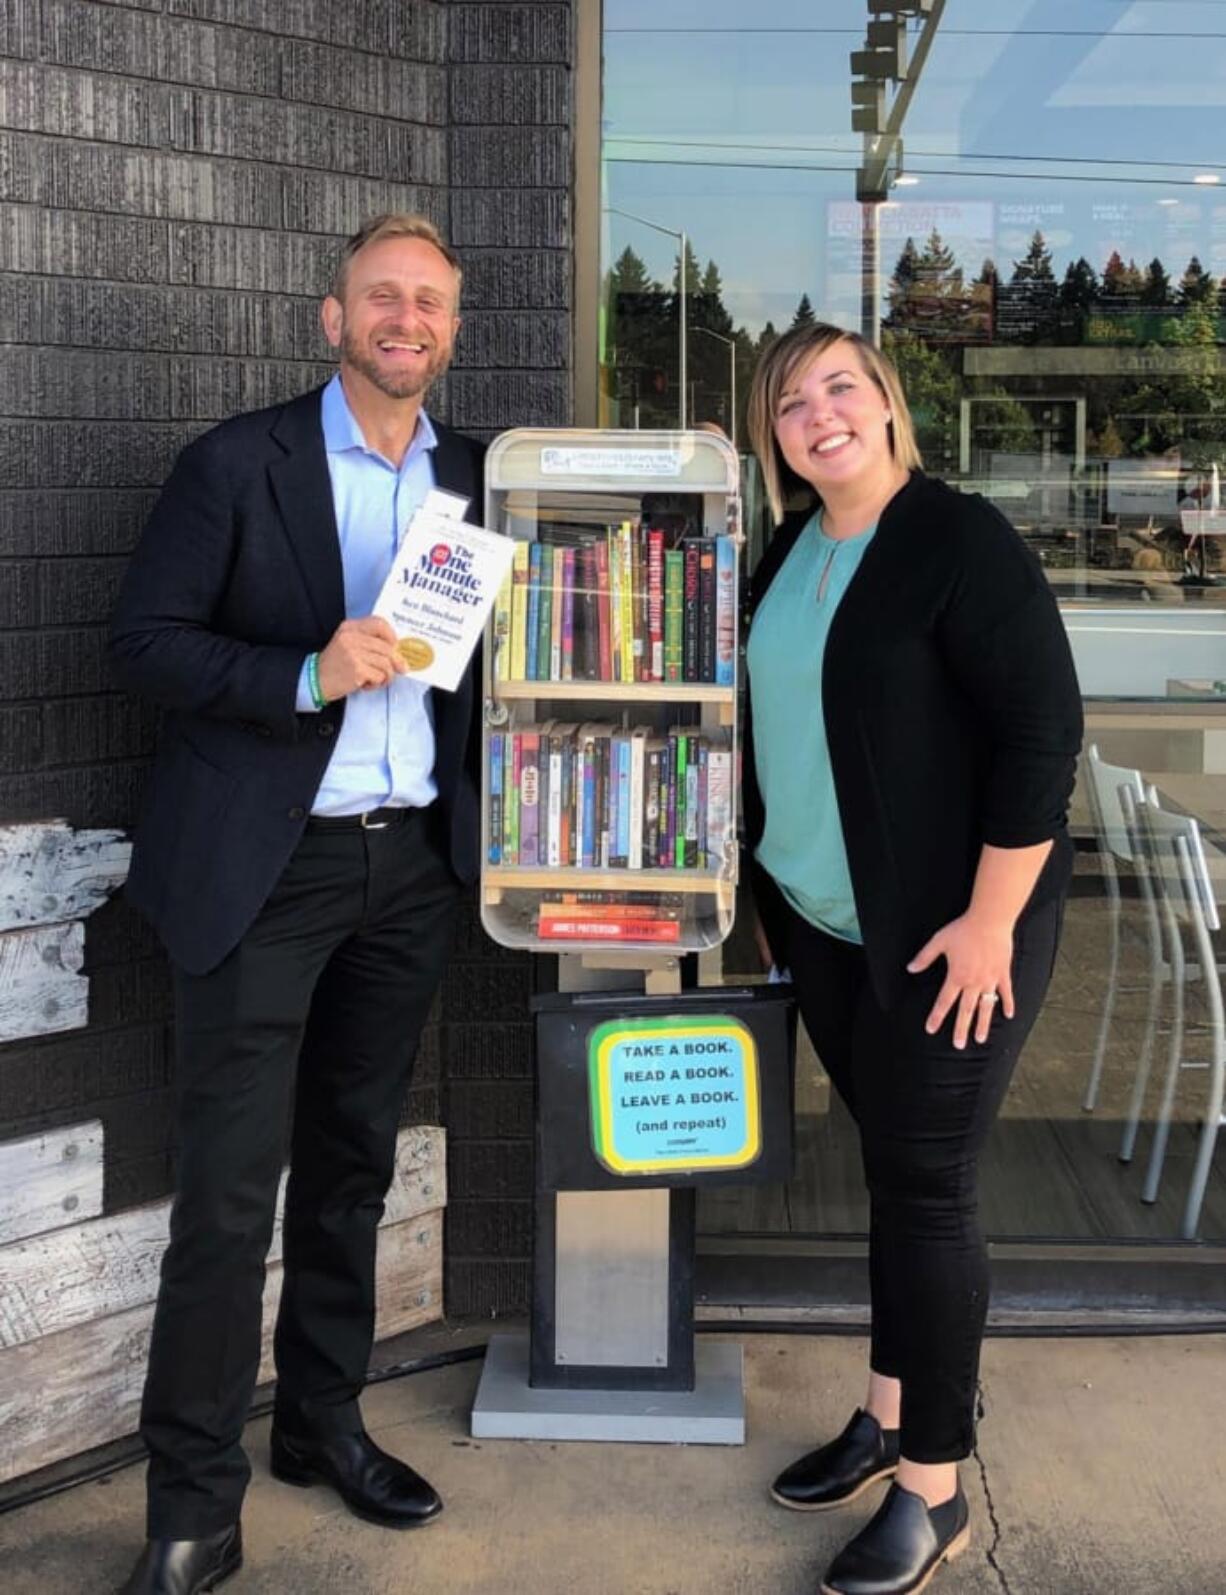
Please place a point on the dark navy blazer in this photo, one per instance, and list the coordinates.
(236, 579)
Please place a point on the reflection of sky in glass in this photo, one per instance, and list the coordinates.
(1077, 116)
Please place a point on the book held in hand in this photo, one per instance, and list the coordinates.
(444, 580)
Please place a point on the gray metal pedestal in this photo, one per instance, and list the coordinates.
(713, 1413)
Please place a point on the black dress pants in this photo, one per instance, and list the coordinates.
(923, 1110)
(305, 1034)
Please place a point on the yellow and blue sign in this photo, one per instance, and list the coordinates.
(674, 1095)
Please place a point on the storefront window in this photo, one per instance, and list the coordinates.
(1027, 205)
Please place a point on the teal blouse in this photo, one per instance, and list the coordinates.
(802, 844)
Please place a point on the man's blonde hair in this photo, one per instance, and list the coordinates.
(776, 369)
(393, 224)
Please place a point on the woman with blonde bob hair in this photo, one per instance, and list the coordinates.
(914, 726)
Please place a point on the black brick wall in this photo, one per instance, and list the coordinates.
(174, 179)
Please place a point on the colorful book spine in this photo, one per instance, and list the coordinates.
(602, 800)
(544, 639)
(689, 636)
(679, 799)
(495, 810)
(619, 800)
(674, 614)
(510, 787)
(604, 911)
(704, 757)
(689, 855)
(619, 930)
(529, 798)
(625, 550)
(668, 803)
(615, 605)
(531, 645)
(655, 605)
(568, 615)
(663, 905)
(586, 620)
(501, 632)
(542, 794)
(719, 807)
(725, 611)
(556, 607)
(604, 605)
(638, 598)
(566, 850)
(519, 612)
(638, 784)
(553, 831)
(651, 807)
(588, 854)
(706, 610)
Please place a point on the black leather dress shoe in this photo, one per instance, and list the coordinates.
(840, 1471)
(186, 1567)
(899, 1550)
(372, 1484)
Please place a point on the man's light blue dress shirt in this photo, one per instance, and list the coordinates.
(384, 754)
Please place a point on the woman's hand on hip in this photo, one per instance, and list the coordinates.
(978, 957)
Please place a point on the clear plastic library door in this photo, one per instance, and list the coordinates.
(609, 753)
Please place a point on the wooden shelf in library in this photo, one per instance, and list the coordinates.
(624, 692)
(498, 879)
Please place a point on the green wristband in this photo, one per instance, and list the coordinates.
(317, 697)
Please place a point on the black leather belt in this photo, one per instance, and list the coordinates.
(372, 820)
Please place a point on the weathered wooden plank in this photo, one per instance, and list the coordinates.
(41, 988)
(50, 873)
(48, 1283)
(66, 1393)
(49, 1180)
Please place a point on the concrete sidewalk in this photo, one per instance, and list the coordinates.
(1101, 1471)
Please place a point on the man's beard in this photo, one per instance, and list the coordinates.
(395, 384)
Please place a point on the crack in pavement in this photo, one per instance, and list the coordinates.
(987, 1494)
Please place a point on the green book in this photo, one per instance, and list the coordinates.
(510, 802)
(674, 612)
(544, 619)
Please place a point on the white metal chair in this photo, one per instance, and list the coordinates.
(1103, 784)
(1174, 863)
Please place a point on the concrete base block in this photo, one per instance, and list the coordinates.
(713, 1413)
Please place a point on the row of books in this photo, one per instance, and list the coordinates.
(619, 605)
(597, 796)
(610, 916)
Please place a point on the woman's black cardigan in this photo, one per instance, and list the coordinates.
(952, 713)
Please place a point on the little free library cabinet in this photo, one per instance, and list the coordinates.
(610, 692)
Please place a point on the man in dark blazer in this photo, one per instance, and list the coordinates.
(310, 820)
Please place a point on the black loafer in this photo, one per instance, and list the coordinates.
(373, 1485)
(899, 1550)
(840, 1471)
(186, 1567)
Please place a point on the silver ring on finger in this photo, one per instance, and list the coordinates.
(989, 996)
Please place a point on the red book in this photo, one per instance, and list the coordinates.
(648, 930)
(602, 610)
(607, 911)
(638, 605)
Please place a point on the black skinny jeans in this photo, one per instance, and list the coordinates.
(924, 1110)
